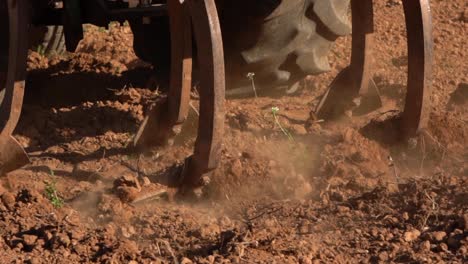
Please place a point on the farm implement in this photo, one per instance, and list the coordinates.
(280, 41)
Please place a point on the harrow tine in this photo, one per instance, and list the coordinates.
(209, 44)
(181, 59)
(420, 58)
(356, 79)
(12, 155)
(158, 125)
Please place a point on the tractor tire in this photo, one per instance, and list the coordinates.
(279, 41)
(47, 40)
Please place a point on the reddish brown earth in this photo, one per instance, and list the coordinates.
(342, 192)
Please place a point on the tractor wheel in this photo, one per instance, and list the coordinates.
(47, 40)
(280, 42)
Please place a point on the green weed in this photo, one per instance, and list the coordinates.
(51, 192)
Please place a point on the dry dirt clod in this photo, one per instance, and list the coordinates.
(127, 188)
(236, 168)
(405, 216)
(425, 246)
(463, 250)
(128, 180)
(305, 260)
(299, 129)
(464, 222)
(29, 240)
(442, 247)
(186, 261)
(2, 190)
(412, 235)
(127, 194)
(8, 200)
(383, 256)
(438, 236)
(146, 181)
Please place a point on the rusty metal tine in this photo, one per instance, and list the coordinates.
(361, 57)
(181, 61)
(10, 110)
(12, 155)
(158, 125)
(207, 30)
(356, 79)
(420, 59)
(362, 41)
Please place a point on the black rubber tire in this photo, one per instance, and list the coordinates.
(280, 41)
(47, 40)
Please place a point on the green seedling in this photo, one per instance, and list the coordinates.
(51, 192)
(274, 111)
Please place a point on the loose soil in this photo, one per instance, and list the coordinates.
(331, 192)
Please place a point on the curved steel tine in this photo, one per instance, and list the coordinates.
(181, 61)
(209, 44)
(362, 41)
(12, 155)
(420, 59)
(10, 109)
(356, 79)
(158, 125)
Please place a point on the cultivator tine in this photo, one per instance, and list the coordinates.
(356, 79)
(159, 123)
(12, 155)
(209, 44)
(174, 110)
(420, 58)
(181, 61)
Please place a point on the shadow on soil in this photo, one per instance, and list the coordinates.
(50, 88)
